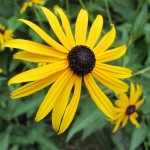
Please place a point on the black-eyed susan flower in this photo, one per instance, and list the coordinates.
(76, 58)
(5, 35)
(30, 3)
(127, 107)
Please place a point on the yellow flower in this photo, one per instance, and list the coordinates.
(127, 107)
(5, 35)
(76, 58)
(1, 70)
(30, 3)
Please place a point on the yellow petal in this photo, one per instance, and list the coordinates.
(54, 23)
(99, 97)
(66, 26)
(137, 94)
(72, 107)
(61, 104)
(95, 31)
(111, 54)
(125, 120)
(34, 47)
(39, 73)
(133, 119)
(118, 121)
(132, 91)
(122, 103)
(27, 56)
(114, 71)
(139, 103)
(35, 86)
(45, 36)
(110, 82)
(52, 95)
(106, 41)
(81, 27)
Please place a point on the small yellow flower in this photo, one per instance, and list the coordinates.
(69, 62)
(30, 3)
(5, 35)
(127, 107)
(1, 70)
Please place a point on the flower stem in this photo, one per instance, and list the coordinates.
(90, 16)
(141, 71)
(38, 18)
(108, 12)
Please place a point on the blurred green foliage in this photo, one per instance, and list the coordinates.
(90, 129)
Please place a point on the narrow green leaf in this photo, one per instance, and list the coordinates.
(138, 136)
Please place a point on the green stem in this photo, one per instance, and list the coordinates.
(38, 18)
(130, 41)
(67, 7)
(108, 12)
(90, 16)
(141, 71)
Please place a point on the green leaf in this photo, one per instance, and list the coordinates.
(4, 141)
(88, 115)
(138, 136)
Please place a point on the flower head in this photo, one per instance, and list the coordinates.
(76, 58)
(5, 35)
(127, 107)
(30, 3)
(1, 70)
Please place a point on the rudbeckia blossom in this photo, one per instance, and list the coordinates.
(127, 107)
(30, 3)
(73, 60)
(5, 35)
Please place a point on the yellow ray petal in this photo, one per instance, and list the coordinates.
(110, 82)
(61, 104)
(132, 91)
(95, 31)
(81, 27)
(106, 41)
(133, 119)
(52, 95)
(27, 56)
(139, 103)
(125, 120)
(72, 107)
(66, 26)
(35, 86)
(45, 36)
(112, 54)
(99, 97)
(137, 94)
(114, 71)
(34, 47)
(54, 23)
(39, 73)
(118, 121)
(122, 103)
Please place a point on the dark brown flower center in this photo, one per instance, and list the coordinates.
(2, 31)
(81, 60)
(130, 110)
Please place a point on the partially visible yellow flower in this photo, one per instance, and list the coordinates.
(127, 107)
(75, 58)
(30, 3)
(5, 35)
(1, 70)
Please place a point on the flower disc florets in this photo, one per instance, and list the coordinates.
(130, 110)
(2, 31)
(81, 60)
